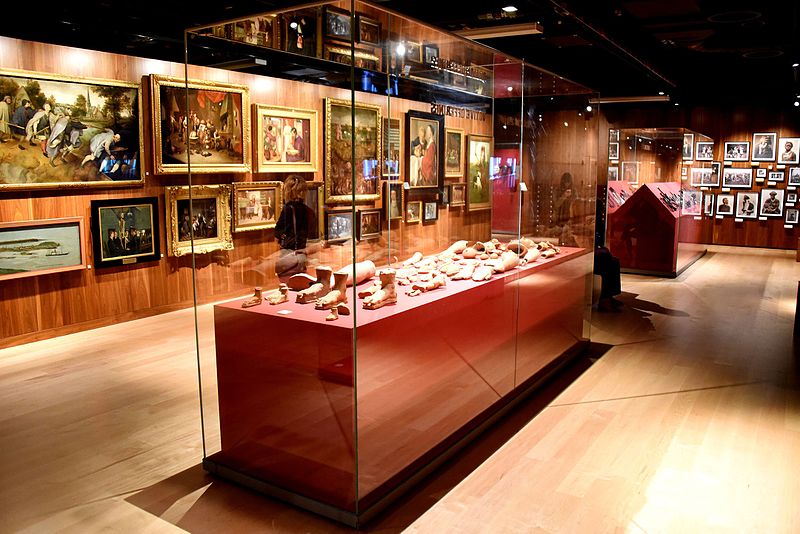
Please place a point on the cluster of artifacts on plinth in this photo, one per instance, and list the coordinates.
(463, 260)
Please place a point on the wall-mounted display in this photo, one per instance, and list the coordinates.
(725, 204)
(454, 152)
(704, 177)
(791, 216)
(424, 150)
(691, 202)
(125, 231)
(716, 172)
(339, 167)
(430, 212)
(430, 53)
(413, 51)
(746, 204)
(206, 217)
(256, 205)
(414, 211)
(391, 148)
(708, 201)
(737, 151)
(771, 202)
(338, 24)
(214, 131)
(791, 198)
(776, 176)
(286, 139)
(314, 200)
(33, 248)
(764, 146)
(369, 30)
(761, 173)
(261, 31)
(369, 224)
(613, 150)
(65, 132)
(359, 56)
(704, 151)
(338, 225)
(479, 187)
(458, 194)
(393, 197)
(300, 29)
(613, 174)
(794, 176)
(630, 171)
(613, 135)
(734, 177)
(688, 146)
(789, 150)
(684, 171)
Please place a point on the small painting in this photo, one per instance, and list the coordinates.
(200, 224)
(338, 24)
(338, 225)
(430, 212)
(454, 152)
(794, 176)
(691, 202)
(256, 205)
(369, 31)
(688, 146)
(613, 150)
(125, 231)
(704, 177)
(286, 139)
(791, 216)
(613, 174)
(791, 198)
(425, 165)
(775, 176)
(414, 211)
(630, 171)
(458, 194)
(708, 202)
(479, 186)
(725, 204)
(393, 200)
(761, 173)
(413, 52)
(32, 248)
(430, 53)
(369, 224)
(391, 148)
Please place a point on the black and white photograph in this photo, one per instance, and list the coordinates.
(688, 146)
(716, 172)
(684, 171)
(789, 148)
(776, 176)
(791, 198)
(794, 176)
(704, 151)
(764, 146)
(430, 212)
(338, 225)
(742, 178)
(771, 202)
(725, 204)
(708, 201)
(704, 177)
(761, 173)
(613, 174)
(737, 151)
(630, 171)
(746, 207)
(613, 135)
(691, 202)
(791, 216)
(613, 150)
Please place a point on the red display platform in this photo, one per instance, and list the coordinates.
(342, 413)
(652, 234)
(619, 191)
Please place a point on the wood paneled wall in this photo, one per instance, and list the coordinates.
(45, 306)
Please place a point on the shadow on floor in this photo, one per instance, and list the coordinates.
(198, 502)
(632, 300)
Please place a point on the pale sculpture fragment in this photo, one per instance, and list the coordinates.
(318, 289)
(387, 294)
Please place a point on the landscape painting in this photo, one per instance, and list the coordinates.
(31, 248)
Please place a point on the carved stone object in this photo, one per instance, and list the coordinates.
(387, 294)
(255, 300)
(337, 295)
(318, 289)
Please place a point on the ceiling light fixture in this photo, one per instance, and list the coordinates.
(661, 93)
(589, 108)
(796, 103)
(795, 65)
(510, 9)
(401, 49)
(507, 30)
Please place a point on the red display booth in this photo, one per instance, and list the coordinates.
(657, 230)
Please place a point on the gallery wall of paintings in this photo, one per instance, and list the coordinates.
(102, 165)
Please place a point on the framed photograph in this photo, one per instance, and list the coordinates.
(413, 52)
(391, 148)
(458, 194)
(338, 225)
(338, 24)
(708, 203)
(430, 53)
(684, 171)
(613, 135)
(430, 211)
(339, 167)
(703, 177)
(761, 173)
(314, 200)
(737, 151)
(425, 150)
(33, 248)
(613, 150)
(630, 171)
(746, 204)
(776, 176)
(704, 151)
(414, 211)
(256, 205)
(791, 216)
(479, 186)
(65, 132)
(369, 30)
(691, 202)
(300, 29)
(393, 198)
(791, 198)
(454, 153)
(214, 131)
(205, 217)
(613, 174)
(125, 231)
(771, 202)
(688, 146)
(716, 172)
(286, 139)
(369, 224)
(741, 178)
(764, 146)
(794, 176)
(725, 204)
(789, 150)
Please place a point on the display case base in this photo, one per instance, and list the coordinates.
(671, 274)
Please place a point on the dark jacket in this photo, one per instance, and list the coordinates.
(292, 232)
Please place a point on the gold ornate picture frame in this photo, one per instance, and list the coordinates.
(256, 205)
(454, 152)
(286, 139)
(200, 222)
(479, 186)
(208, 132)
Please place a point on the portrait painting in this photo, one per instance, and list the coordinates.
(369, 224)
(458, 194)
(61, 132)
(613, 150)
(789, 150)
(125, 231)
(286, 139)
(630, 171)
(791, 216)
(703, 177)
(479, 186)
(32, 248)
(200, 224)
(771, 202)
(414, 211)
(734, 177)
(338, 24)
(775, 176)
(391, 148)
(725, 204)
(794, 176)
(210, 129)
(424, 150)
(746, 205)
(345, 179)
(688, 146)
(704, 151)
(338, 225)
(708, 202)
(314, 200)
(613, 174)
(256, 205)
(764, 146)
(393, 198)
(454, 152)
(369, 31)
(430, 211)
(737, 151)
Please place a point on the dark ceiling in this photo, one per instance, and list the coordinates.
(695, 50)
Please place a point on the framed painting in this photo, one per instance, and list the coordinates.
(209, 131)
(341, 173)
(430, 53)
(458, 194)
(724, 205)
(424, 150)
(338, 24)
(393, 198)
(286, 139)
(691, 202)
(771, 202)
(430, 211)
(790, 150)
(300, 29)
(453, 153)
(613, 150)
(391, 148)
(125, 231)
(314, 200)
(746, 205)
(369, 30)
(33, 248)
(65, 132)
(363, 58)
(479, 187)
(764, 146)
(794, 176)
(338, 225)
(414, 211)
(613, 135)
(630, 171)
(684, 172)
(775, 176)
(200, 223)
(413, 52)
(256, 205)
(708, 202)
(791, 216)
(688, 146)
(369, 224)
(704, 151)
(761, 173)
(737, 151)
(260, 31)
(613, 174)
(742, 178)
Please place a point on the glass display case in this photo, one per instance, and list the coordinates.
(412, 220)
(657, 178)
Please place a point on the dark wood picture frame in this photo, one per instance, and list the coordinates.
(369, 30)
(369, 223)
(414, 121)
(346, 214)
(337, 24)
(393, 208)
(124, 215)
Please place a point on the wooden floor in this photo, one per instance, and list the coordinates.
(690, 423)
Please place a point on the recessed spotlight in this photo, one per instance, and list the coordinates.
(796, 103)
(795, 65)
(677, 104)
(510, 88)
(566, 124)
(510, 9)
(589, 108)
(401, 49)
(661, 93)
(293, 25)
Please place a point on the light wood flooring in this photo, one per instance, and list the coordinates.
(690, 423)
